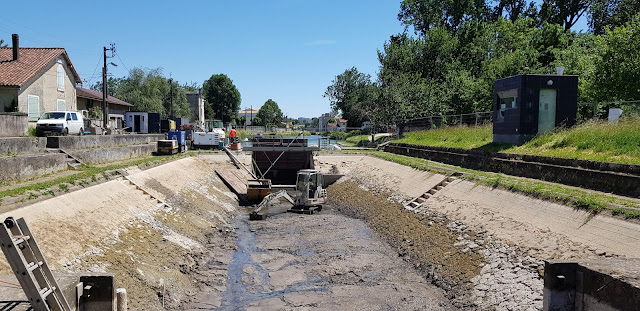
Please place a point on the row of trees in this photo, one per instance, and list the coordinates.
(150, 90)
(460, 47)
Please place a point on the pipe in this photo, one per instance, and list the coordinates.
(16, 45)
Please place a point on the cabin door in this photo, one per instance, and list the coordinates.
(547, 111)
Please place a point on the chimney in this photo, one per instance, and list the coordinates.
(16, 46)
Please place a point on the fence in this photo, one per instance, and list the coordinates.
(600, 110)
(431, 122)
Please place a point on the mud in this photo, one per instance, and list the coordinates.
(325, 261)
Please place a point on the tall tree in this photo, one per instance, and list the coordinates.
(563, 12)
(424, 15)
(269, 114)
(608, 14)
(617, 75)
(347, 93)
(514, 9)
(223, 98)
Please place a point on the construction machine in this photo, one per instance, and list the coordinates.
(308, 197)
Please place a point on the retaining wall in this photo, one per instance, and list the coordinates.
(608, 177)
(13, 124)
(31, 165)
(100, 141)
(101, 155)
(18, 145)
(598, 284)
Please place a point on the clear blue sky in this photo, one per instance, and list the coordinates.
(286, 50)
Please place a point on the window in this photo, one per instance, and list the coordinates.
(506, 100)
(33, 107)
(68, 116)
(62, 105)
(60, 77)
(74, 116)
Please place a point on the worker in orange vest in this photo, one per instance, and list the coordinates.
(232, 134)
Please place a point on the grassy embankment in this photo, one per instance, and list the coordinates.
(595, 140)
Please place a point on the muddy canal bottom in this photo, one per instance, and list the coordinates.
(323, 261)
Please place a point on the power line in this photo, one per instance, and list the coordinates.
(125, 66)
(94, 70)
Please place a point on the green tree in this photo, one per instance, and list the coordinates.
(608, 14)
(617, 75)
(223, 98)
(424, 15)
(563, 12)
(148, 90)
(347, 93)
(269, 114)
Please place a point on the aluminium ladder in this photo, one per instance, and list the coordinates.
(30, 267)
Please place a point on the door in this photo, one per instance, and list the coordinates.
(547, 111)
(136, 123)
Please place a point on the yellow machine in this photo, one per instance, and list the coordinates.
(167, 146)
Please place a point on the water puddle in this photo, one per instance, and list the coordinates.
(248, 282)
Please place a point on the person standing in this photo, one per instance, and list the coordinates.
(232, 134)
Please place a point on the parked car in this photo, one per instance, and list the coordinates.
(61, 122)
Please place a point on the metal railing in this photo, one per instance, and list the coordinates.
(433, 122)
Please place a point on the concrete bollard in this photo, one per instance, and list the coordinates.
(121, 299)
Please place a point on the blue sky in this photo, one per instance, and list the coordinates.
(286, 50)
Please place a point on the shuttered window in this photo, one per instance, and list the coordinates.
(60, 77)
(33, 107)
(62, 105)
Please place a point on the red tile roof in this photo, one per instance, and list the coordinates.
(96, 95)
(31, 62)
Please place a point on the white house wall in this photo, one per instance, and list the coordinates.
(45, 86)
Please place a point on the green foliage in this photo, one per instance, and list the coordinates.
(64, 187)
(269, 114)
(32, 131)
(608, 14)
(617, 74)
(348, 93)
(222, 98)
(148, 90)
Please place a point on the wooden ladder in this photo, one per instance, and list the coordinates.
(30, 267)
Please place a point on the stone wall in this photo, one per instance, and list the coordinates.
(17, 145)
(102, 155)
(26, 166)
(609, 177)
(100, 141)
(13, 124)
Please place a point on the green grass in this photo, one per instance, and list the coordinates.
(593, 140)
(85, 172)
(577, 198)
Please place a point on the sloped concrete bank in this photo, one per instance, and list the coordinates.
(486, 246)
(27, 157)
(151, 229)
(617, 178)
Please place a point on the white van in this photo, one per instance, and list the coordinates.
(62, 122)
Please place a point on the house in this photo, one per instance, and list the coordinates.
(36, 80)
(323, 120)
(196, 103)
(341, 123)
(248, 114)
(89, 100)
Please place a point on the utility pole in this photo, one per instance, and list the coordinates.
(105, 106)
(171, 96)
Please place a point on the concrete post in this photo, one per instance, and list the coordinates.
(121, 300)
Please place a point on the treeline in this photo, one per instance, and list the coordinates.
(149, 90)
(458, 48)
